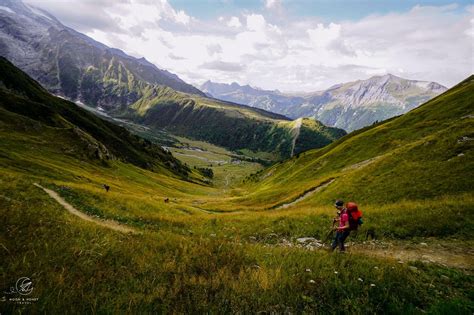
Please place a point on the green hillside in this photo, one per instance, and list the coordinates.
(236, 127)
(26, 105)
(229, 249)
(423, 154)
(415, 167)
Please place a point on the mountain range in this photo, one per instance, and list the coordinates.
(349, 106)
(76, 67)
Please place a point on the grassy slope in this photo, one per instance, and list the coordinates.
(25, 104)
(418, 156)
(177, 264)
(189, 260)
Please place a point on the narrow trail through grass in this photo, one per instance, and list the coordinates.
(305, 195)
(444, 257)
(447, 255)
(105, 223)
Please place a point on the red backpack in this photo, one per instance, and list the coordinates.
(355, 215)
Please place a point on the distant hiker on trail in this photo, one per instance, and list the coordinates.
(342, 230)
(106, 187)
(349, 220)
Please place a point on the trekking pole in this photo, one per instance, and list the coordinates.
(328, 235)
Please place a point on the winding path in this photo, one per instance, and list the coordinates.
(104, 223)
(305, 195)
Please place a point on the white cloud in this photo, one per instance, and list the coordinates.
(223, 66)
(270, 4)
(322, 36)
(213, 49)
(182, 17)
(255, 22)
(234, 22)
(281, 51)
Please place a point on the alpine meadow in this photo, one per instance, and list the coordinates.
(129, 189)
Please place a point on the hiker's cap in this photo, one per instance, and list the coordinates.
(339, 203)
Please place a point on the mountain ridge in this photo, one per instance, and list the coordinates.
(350, 106)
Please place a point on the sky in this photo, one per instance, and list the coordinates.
(289, 45)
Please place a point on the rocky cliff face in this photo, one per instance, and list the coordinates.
(348, 106)
(73, 65)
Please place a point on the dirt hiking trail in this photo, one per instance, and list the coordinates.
(105, 223)
(445, 257)
(444, 254)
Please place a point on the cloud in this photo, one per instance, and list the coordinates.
(182, 17)
(213, 49)
(83, 16)
(322, 36)
(234, 22)
(255, 22)
(273, 49)
(174, 57)
(271, 4)
(223, 66)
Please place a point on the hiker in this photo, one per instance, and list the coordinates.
(350, 219)
(106, 187)
(342, 230)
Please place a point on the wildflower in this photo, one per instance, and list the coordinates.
(308, 270)
(336, 272)
(372, 285)
(360, 279)
(376, 267)
(312, 281)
